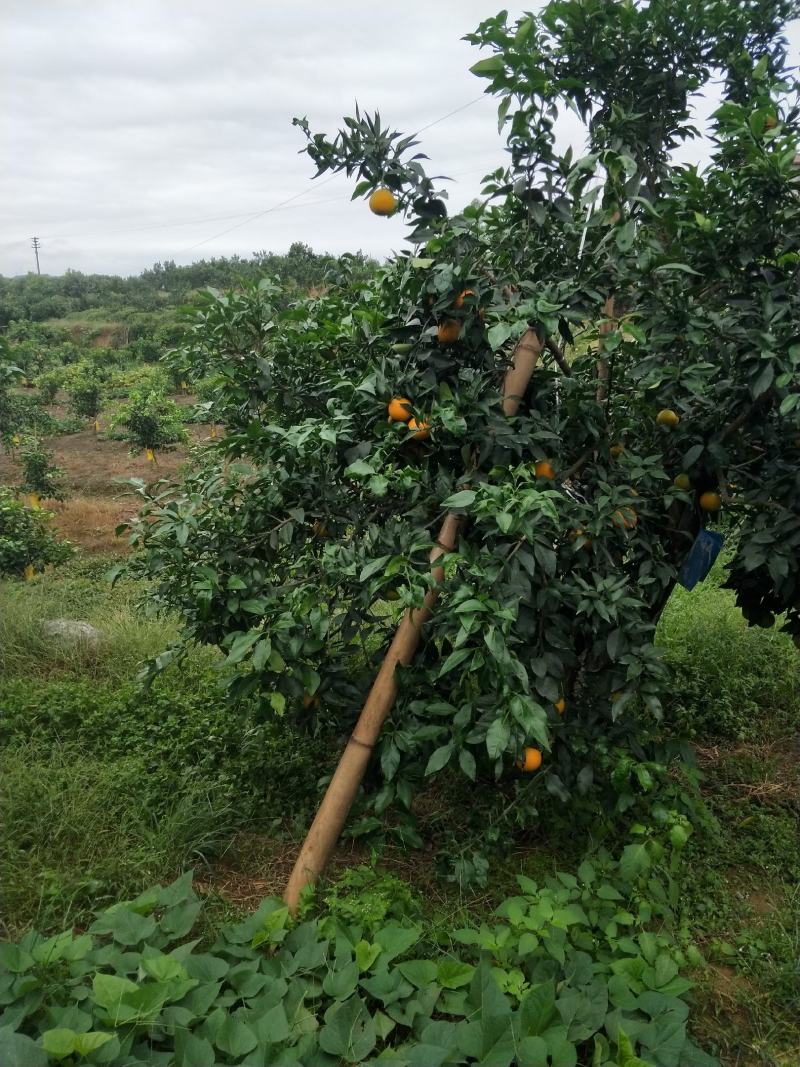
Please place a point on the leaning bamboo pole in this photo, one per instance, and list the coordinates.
(344, 785)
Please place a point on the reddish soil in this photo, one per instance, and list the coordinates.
(96, 500)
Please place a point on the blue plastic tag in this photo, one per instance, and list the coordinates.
(701, 558)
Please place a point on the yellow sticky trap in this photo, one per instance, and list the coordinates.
(184, 386)
(213, 433)
(29, 571)
(151, 457)
(15, 440)
(97, 426)
(34, 501)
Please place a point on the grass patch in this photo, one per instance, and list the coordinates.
(180, 731)
(77, 832)
(729, 680)
(108, 787)
(78, 591)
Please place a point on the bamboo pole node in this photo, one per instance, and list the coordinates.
(364, 744)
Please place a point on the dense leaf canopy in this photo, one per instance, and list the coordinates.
(653, 287)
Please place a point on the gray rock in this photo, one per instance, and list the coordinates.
(73, 631)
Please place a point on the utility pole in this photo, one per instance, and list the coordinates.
(35, 243)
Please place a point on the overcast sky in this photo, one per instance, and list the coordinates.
(133, 131)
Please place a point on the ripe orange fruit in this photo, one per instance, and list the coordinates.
(383, 202)
(667, 417)
(710, 501)
(420, 431)
(580, 532)
(448, 332)
(544, 469)
(682, 481)
(458, 303)
(399, 409)
(617, 450)
(531, 760)
(625, 518)
(561, 705)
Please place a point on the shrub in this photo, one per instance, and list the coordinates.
(124, 381)
(150, 419)
(567, 524)
(40, 474)
(26, 538)
(729, 680)
(18, 414)
(48, 383)
(85, 388)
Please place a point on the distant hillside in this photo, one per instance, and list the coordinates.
(37, 298)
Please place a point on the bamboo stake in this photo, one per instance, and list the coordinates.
(606, 326)
(341, 792)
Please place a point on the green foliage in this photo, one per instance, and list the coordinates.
(728, 680)
(10, 374)
(80, 591)
(150, 419)
(39, 473)
(157, 775)
(753, 793)
(364, 896)
(125, 380)
(18, 414)
(26, 538)
(566, 970)
(142, 304)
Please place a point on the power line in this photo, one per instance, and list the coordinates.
(35, 243)
(247, 217)
(158, 225)
(252, 218)
(449, 114)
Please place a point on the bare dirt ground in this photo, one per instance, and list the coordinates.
(96, 500)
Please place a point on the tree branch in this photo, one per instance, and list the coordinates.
(558, 355)
(742, 418)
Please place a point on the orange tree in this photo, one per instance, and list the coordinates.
(666, 400)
